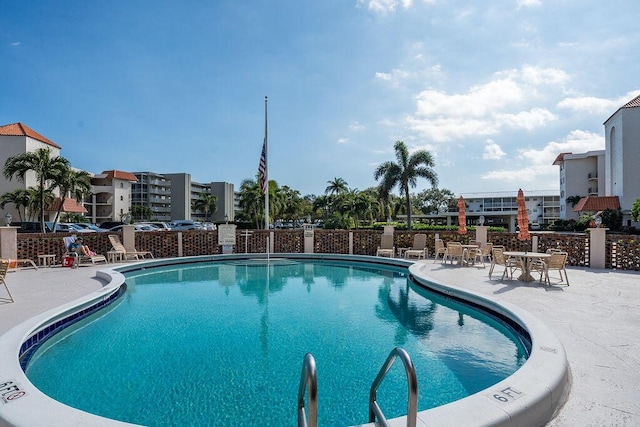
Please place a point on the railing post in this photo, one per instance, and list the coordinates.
(308, 379)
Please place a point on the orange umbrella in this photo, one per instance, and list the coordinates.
(523, 217)
(462, 217)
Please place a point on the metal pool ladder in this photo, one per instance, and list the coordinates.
(308, 380)
(412, 407)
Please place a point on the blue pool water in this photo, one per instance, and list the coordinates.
(222, 344)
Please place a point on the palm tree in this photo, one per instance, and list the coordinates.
(207, 203)
(405, 173)
(337, 186)
(21, 200)
(47, 170)
(75, 184)
(251, 202)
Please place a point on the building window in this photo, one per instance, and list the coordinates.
(121, 198)
(121, 185)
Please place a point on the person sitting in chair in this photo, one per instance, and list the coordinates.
(79, 247)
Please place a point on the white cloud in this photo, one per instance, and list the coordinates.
(355, 126)
(529, 120)
(15, 44)
(343, 140)
(596, 106)
(536, 166)
(492, 151)
(529, 3)
(487, 108)
(384, 7)
(395, 77)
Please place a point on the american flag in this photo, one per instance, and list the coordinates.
(262, 168)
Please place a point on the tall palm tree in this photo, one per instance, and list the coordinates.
(207, 203)
(337, 186)
(405, 173)
(46, 168)
(72, 183)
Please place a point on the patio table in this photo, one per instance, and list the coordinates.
(525, 260)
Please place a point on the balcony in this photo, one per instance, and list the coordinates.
(592, 176)
(592, 191)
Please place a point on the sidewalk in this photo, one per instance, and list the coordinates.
(597, 319)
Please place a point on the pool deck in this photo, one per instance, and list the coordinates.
(596, 319)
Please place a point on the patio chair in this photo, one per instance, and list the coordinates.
(386, 247)
(486, 252)
(4, 267)
(440, 250)
(419, 248)
(454, 251)
(78, 256)
(509, 264)
(119, 248)
(557, 261)
(473, 256)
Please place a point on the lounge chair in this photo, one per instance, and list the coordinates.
(119, 248)
(4, 267)
(80, 257)
(386, 247)
(419, 248)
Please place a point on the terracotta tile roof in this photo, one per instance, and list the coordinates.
(593, 203)
(18, 129)
(127, 176)
(559, 159)
(69, 205)
(635, 102)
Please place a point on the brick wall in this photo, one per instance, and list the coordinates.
(622, 252)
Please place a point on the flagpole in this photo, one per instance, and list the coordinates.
(266, 176)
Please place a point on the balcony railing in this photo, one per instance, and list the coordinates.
(592, 175)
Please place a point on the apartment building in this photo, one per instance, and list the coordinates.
(609, 177)
(111, 196)
(581, 175)
(171, 196)
(499, 209)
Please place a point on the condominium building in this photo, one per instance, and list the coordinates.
(153, 190)
(111, 196)
(608, 177)
(172, 196)
(581, 175)
(499, 209)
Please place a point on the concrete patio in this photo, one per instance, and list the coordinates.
(596, 318)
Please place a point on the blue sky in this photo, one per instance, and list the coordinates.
(494, 90)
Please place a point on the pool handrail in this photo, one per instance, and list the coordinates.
(412, 380)
(308, 382)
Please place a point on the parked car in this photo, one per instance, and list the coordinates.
(64, 227)
(161, 226)
(184, 224)
(534, 226)
(137, 227)
(30, 227)
(110, 224)
(89, 226)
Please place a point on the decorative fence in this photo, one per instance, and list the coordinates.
(622, 251)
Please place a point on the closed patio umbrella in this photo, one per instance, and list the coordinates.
(462, 217)
(523, 217)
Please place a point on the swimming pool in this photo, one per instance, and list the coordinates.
(454, 413)
(222, 344)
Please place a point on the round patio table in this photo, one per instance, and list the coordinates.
(525, 259)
